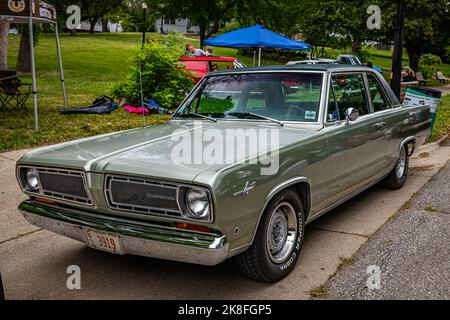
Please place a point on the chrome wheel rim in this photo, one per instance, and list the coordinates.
(400, 167)
(282, 232)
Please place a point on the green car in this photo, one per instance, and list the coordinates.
(248, 159)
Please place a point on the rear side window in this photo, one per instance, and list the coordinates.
(347, 91)
(376, 93)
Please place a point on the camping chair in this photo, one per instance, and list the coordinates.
(440, 76)
(421, 79)
(12, 96)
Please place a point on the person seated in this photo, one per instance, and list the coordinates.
(214, 68)
(408, 75)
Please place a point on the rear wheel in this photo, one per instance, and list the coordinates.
(397, 177)
(278, 241)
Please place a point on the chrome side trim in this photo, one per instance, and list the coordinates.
(68, 198)
(138, 239)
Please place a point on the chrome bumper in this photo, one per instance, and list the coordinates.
(138, 239)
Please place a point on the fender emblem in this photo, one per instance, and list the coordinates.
(249, 186)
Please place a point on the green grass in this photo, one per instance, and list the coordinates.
(442, 123)
(430, 208)
(93, 64)
(318, 292)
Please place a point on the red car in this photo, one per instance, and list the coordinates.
(199, 66)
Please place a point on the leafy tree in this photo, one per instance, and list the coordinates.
(281, 16)
(208, 15)
(427, 64)
(163, 78)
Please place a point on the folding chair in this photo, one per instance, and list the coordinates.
(13, 96)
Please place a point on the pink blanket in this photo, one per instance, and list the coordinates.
(138, 110)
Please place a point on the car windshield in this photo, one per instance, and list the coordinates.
(258, 96)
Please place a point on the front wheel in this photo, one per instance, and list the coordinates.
(278, 241)
(397, 177)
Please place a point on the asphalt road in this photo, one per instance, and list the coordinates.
(34, 262)
(412, 252)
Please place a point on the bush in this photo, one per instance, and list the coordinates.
(427, 63)
(163, 78)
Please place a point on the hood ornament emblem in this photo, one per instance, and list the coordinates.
(249, 186)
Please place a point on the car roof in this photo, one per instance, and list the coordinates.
(208, 58)
(299, 67)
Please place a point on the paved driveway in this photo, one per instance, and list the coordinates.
(34, 262)
(412, 252)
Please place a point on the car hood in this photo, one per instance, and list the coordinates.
(150, 151)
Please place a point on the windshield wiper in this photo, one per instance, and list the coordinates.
(197, 115)
(256, 116)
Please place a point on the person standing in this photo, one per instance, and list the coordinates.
(195, 52)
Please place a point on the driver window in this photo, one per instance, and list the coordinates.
(347, 91)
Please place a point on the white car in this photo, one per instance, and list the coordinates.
(312, 61)
(349, 59)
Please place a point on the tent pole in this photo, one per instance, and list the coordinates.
(33, 71)
(254, 57)
(259, 57)
(61, 69)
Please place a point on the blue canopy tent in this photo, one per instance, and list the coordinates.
(256, 37)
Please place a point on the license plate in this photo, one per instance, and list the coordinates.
(104, 241)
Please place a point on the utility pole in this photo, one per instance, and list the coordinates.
(397, 56)
(144, 25)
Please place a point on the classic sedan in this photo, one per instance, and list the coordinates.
(248, 159)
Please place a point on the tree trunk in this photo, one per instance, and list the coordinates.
(4, 29)
(202, 31)
(24, 58)
(105, 25)
(414, 52)
(93, 24)
(356, 46)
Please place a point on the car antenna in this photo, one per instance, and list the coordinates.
(142, 93)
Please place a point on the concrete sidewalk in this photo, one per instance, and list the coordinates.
(34, 262)
(412, 252)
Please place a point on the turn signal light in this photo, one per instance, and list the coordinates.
(45, 201)
(192, 227)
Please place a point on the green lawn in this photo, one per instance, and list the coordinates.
(442, 124)
(93, 64)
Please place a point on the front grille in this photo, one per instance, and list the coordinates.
(142, 196)
(63, 184)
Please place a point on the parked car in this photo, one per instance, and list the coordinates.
(313, 61)
(349, 59)
(340, 131)
(198, 67)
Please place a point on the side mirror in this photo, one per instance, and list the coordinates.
(351, 114)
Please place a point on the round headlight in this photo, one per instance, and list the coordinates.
(198, 203)
(33, 179)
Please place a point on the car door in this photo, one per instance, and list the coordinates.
(383, 109)
(357, 148)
